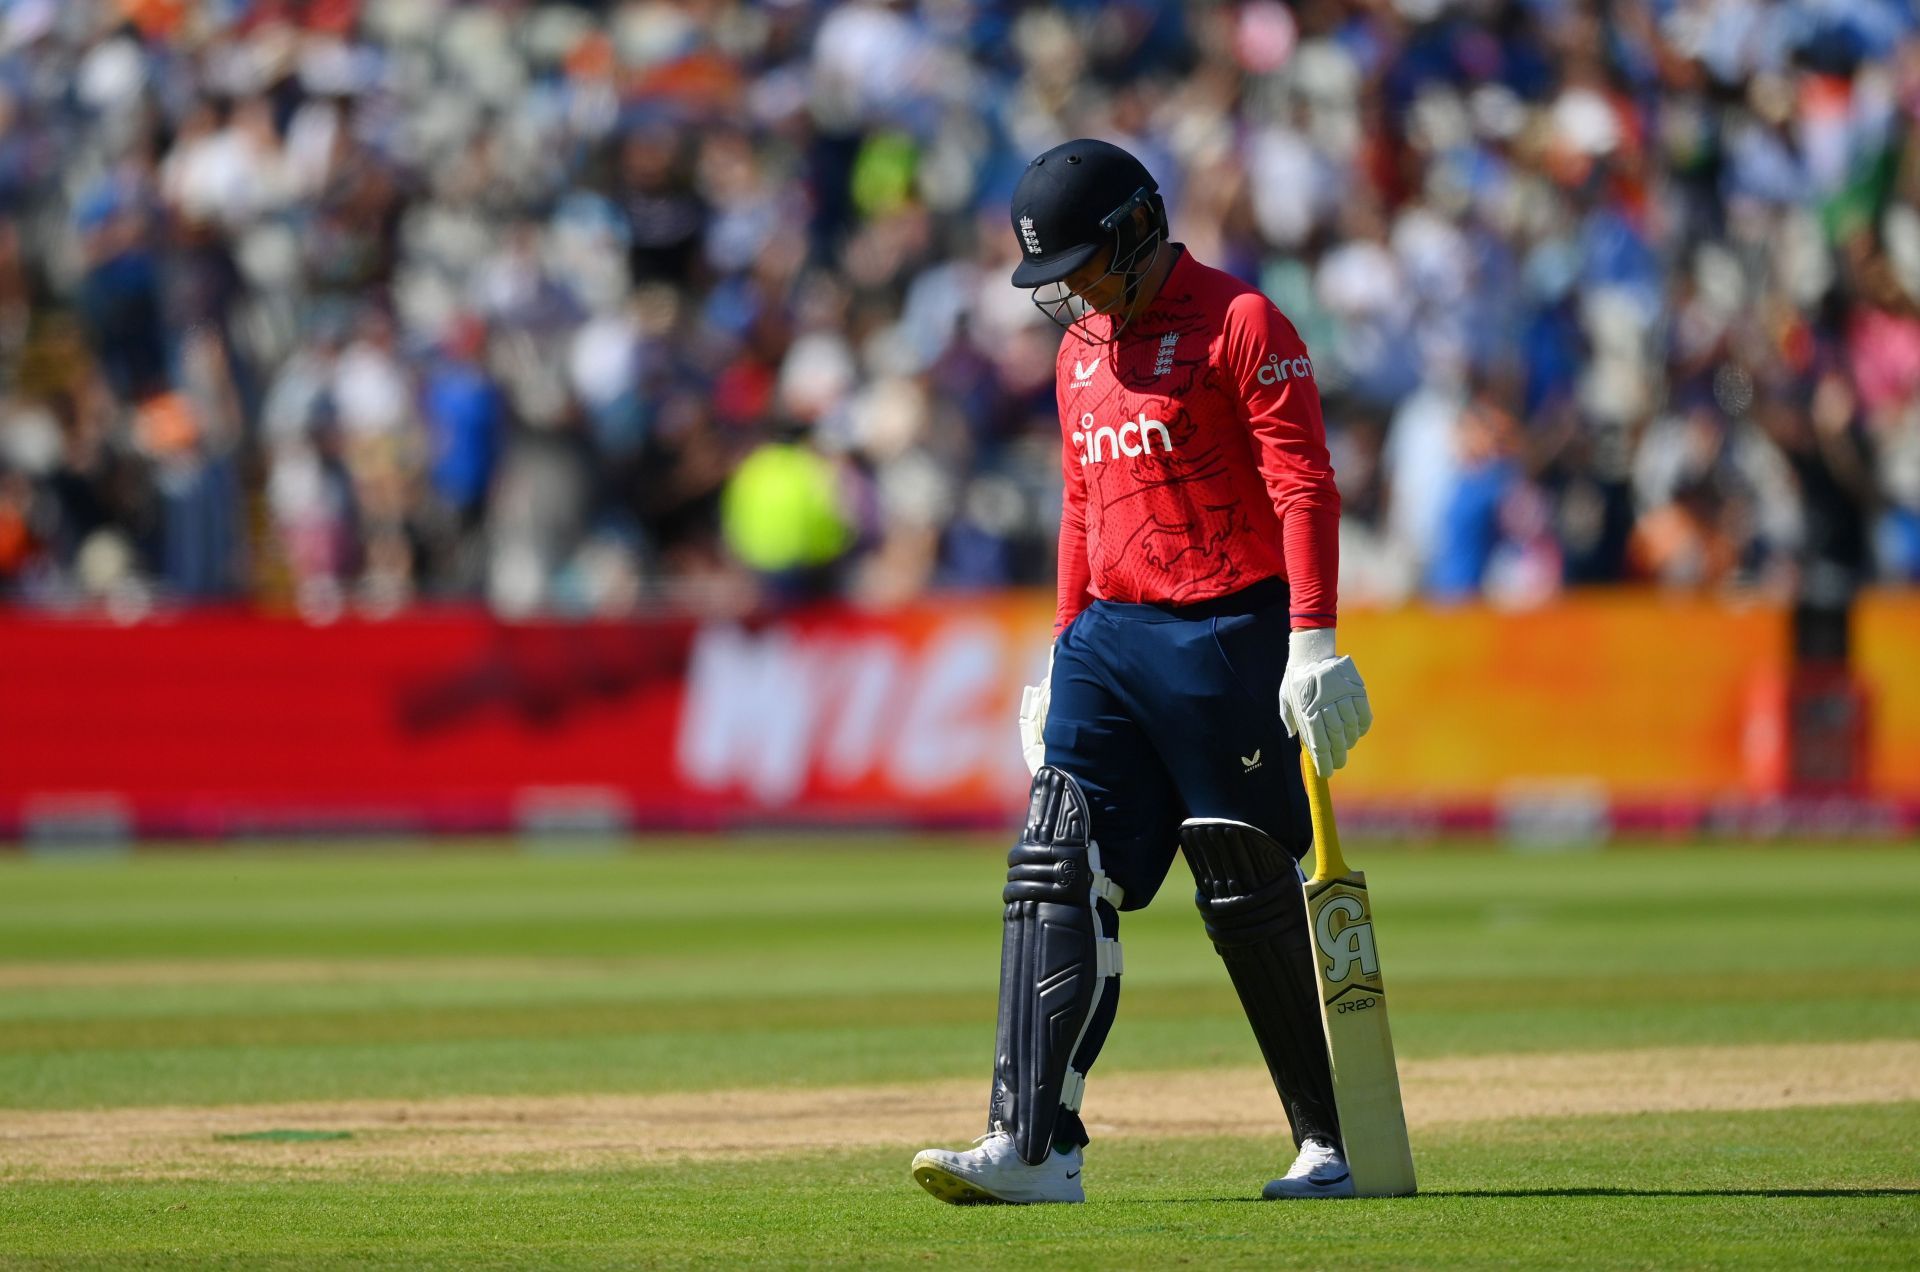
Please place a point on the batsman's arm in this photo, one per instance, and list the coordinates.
(1074, 571)
(1281, 403)
(1323, 701)
(1075, 580)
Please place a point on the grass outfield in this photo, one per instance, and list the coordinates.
(488, 988)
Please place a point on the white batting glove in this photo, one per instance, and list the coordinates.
(1323, 701)
(1034, 701)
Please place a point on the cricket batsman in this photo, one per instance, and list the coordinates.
(1193, 654)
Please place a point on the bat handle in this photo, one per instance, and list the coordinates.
(1328, 863)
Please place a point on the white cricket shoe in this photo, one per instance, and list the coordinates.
(1319, 1171)
(992, 1171)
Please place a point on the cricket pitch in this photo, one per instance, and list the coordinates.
(507, 1133)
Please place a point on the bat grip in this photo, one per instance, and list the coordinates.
(1328, 863)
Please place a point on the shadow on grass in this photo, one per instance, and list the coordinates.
(1671, 1192)
(1574, 1192)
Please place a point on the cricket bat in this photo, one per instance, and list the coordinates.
(1353, 1005)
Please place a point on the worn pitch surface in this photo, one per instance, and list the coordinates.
(498, 1133)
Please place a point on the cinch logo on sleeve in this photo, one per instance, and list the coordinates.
(1132, 439)
(1277, 369)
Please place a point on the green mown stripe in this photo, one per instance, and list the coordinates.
(415, 1022)
(719, 966)
(692, 1060)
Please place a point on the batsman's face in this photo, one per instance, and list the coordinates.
(1098, 289)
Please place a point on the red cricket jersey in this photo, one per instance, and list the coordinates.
(1195, 457)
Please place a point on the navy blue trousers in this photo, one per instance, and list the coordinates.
(1162, 713)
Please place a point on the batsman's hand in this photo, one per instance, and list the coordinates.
(1034, 701)
(1323, 701)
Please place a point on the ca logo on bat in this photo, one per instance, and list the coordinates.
(1351, 944)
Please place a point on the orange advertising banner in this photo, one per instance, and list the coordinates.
(1635, 695)
(1886, 655)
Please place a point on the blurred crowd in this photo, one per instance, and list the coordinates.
(336, 305)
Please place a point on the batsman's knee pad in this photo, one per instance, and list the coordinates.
(1057, 957)
(1249, 886)
(1249, 894)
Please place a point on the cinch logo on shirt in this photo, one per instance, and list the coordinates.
(1098, 445)
(1276, 369)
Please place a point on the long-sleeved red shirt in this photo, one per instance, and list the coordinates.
(1194, 455)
